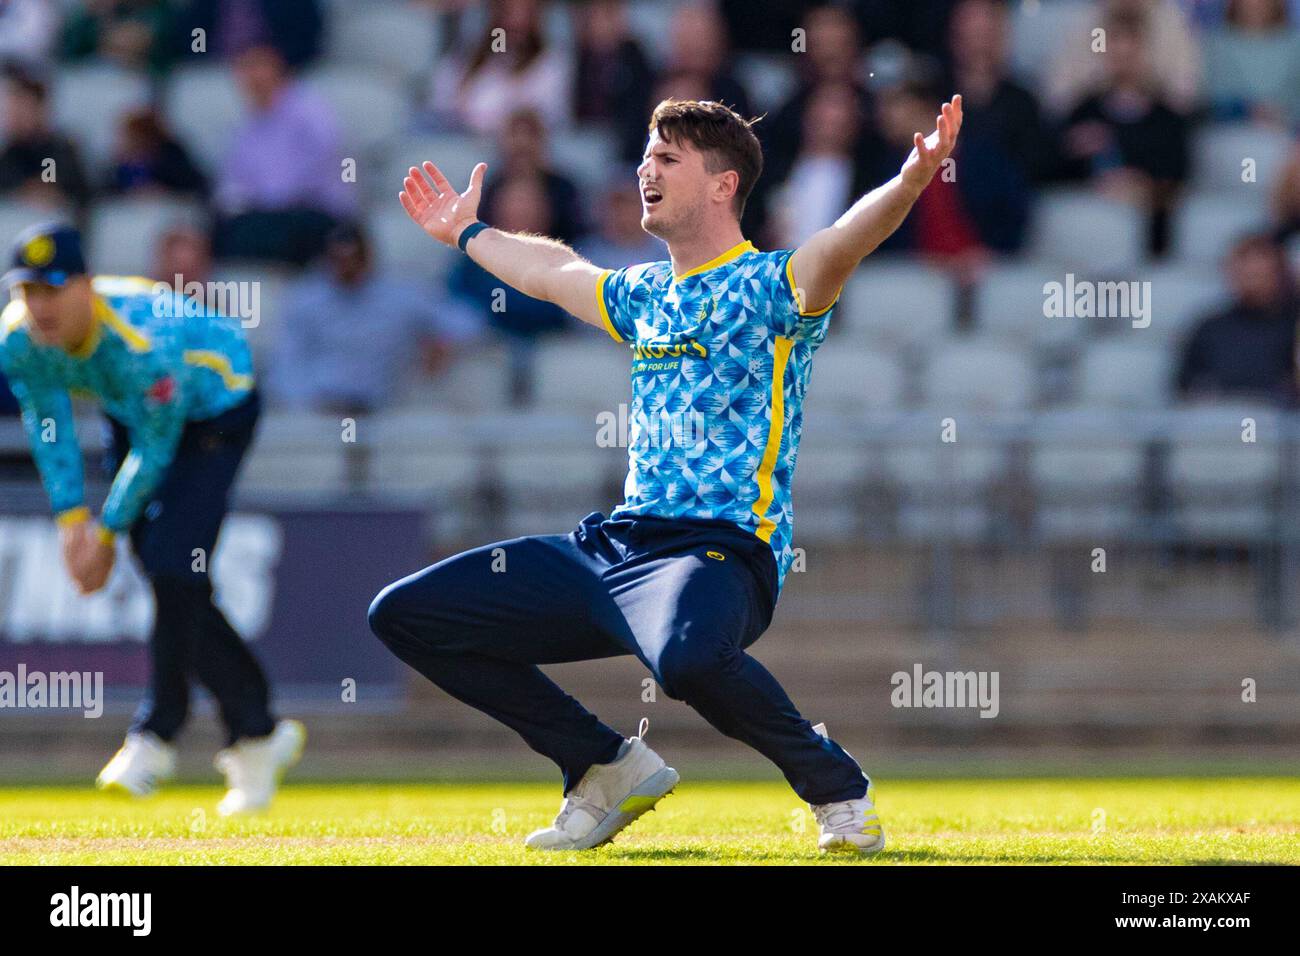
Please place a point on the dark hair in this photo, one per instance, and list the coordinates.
(725, 138)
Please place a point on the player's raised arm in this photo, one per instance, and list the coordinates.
(542, 268)
(823, 264)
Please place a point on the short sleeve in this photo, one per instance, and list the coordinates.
(787, 316)
(613, 293)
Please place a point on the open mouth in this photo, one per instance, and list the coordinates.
(651, 195)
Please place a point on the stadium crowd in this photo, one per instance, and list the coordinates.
(1131, 140)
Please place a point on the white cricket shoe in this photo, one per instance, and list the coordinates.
(254, 765)
(608, 798)
(142, 762)
(850, 826)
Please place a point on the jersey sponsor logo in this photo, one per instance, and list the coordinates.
(677, 350)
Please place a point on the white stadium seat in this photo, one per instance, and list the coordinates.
(16, 215)
(123, 233)
(849, 379)
(896, 304)
(1125, 374)
(1088, 233)
(1205, 227)
(399, 37)
(1220, 150)
(585, 372)
(88, 104)
(400, 245)
(203, 106)
(1221, 484)
(370, 109)
(1010, 304)
(976, 376)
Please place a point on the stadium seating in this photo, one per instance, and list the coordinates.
(1219, 151)
(398, 37)
(1205, 226)
(896, 305)
(1124, 374)
(975, 376)
(91, 101)
(1087, 233)
(203, 105)
(123, 233)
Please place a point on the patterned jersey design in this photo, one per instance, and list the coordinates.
(721, 358)
(153, 360)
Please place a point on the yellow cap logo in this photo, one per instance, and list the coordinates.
(716, 555)
(39, 251)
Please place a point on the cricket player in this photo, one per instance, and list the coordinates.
(685, 573)
(176, 384)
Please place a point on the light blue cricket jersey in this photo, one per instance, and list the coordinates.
(721, 358)
(154, 361)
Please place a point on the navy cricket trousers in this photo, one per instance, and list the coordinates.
(191, 637)
(685, 597)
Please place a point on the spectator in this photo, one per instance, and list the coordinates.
(294, 28)
(348, 333)
(1174, 56)
(700, 51)
(973, 209)
(522, 206)
(834, 49)
(512, 67)
(37, 164)
(1252, 64)
(619, 239)
(826, 176)
(183, 256)
(612, 75)
(1000, 118)
(1123, 137)
(1248, 349)
(134, 34)
(149, 160)
(27, 31)
(280, 187)
(523, 155)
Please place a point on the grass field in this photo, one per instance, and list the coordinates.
(1148, 820)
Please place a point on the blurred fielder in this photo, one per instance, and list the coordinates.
(176, 384)
(686, 572)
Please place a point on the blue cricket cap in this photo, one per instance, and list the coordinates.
(48, 252)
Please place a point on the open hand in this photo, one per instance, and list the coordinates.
(929, 152)
(435, 206)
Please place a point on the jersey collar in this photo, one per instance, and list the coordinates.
(735, 252)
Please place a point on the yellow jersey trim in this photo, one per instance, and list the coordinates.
(735, 252)
(135, 340)
(600, 301)
(798, 299)
(65, 519)
(216, 362)
(765, 490)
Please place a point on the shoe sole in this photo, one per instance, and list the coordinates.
(641, 800)
(849, 848)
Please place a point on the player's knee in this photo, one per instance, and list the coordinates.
(387, 614)
(687, 672)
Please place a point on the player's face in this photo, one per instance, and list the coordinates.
(58, 312)
(674, 188)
